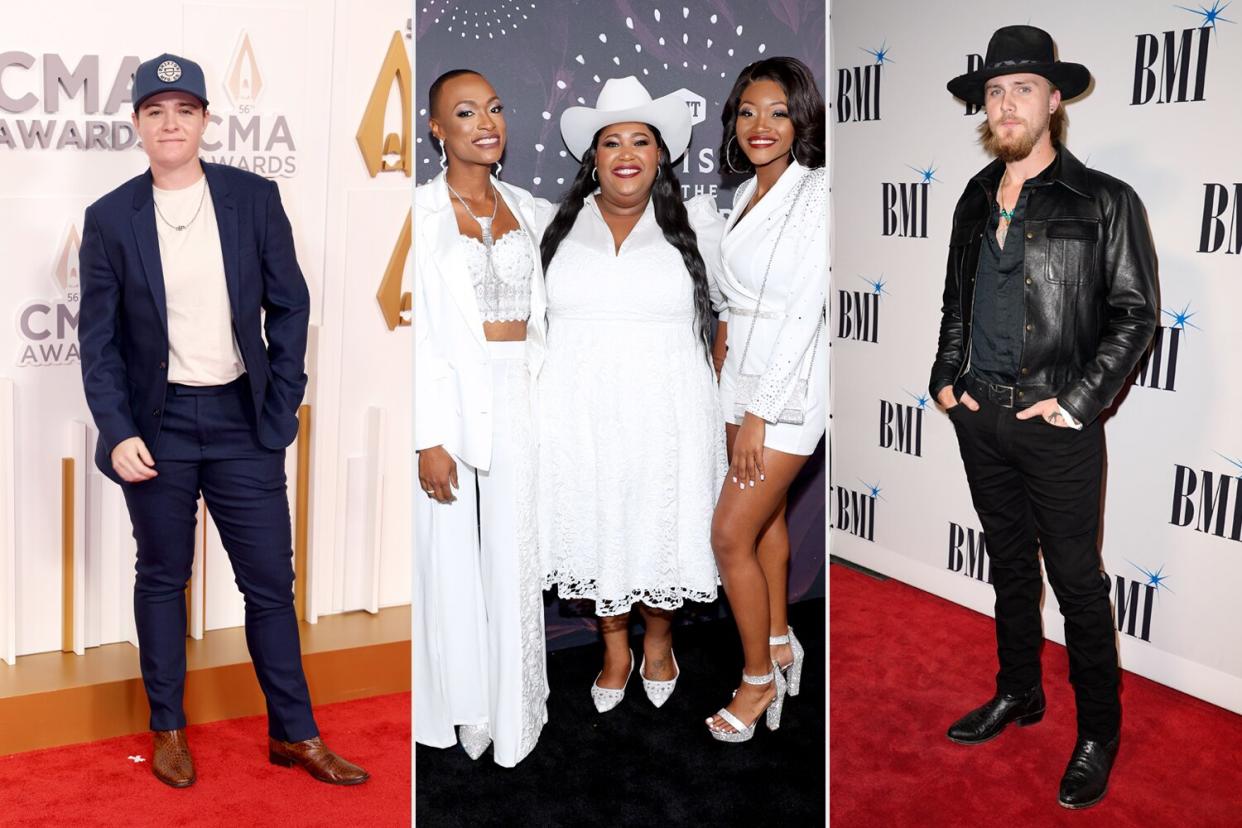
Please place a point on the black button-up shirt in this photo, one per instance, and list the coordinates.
(1000, 309)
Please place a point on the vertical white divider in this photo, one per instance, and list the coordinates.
(8, 527)
(78, 440)
(375, 504)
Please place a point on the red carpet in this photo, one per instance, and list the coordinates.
(96, 784)
(906, 664)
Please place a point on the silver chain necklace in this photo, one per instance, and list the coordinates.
(491, 283)
(179, 227)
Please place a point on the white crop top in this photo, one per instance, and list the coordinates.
(503, 289)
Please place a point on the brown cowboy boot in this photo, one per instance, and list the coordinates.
(170, 758)
(318, 761)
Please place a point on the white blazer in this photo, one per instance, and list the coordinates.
(795, 298)
(452, 374)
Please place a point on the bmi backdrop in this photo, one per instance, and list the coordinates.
(546, 56)
(304, 92)
(1163, 114)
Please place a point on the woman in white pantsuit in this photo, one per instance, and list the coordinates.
(774, 382)
(479, 660)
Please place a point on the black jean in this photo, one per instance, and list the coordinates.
(1037, 486)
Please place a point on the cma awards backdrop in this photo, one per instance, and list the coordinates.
(310, 93)
(544, 56)
(1163, 115)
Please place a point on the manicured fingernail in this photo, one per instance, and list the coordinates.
(752, 484)
(742, 486)
(735, 480)
(761, 478)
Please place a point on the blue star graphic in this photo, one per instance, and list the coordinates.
(873, 490)
(1230, 460)
(1182, 318)
(880, 54)
(877, 286)
(1210, 16)
(1154, 579)
(929, 173)
(921, 399)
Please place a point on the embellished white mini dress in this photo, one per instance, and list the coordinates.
(790, 340)
(631, 442)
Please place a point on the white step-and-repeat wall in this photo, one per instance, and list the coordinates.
(314, 94)
(1164, 115)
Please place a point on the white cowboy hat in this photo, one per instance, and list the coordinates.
(626, 99)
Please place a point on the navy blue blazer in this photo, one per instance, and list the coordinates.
(123, 317)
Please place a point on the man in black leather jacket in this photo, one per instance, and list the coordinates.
(1049, 301)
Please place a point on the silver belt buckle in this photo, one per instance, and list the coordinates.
(1006, 391)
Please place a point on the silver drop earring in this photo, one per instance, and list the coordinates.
(594, 174)
(443, 157)
(499, 167)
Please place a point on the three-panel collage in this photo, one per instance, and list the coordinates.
(446, 414)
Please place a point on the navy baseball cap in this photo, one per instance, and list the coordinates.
(168, 73)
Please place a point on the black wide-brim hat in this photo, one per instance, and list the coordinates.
(1018, 49)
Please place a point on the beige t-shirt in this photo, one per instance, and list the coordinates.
(201, 346)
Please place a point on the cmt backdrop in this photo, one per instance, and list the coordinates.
(546, 56)
(1163, 114)
(290, 82)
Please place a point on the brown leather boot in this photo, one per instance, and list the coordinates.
(170, 758)
(318, 761)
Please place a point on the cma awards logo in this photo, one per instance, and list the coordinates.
(968, 553)
(30, 88)
(905, 204)
(901, 425)
(1158, 366)
(48, 328)
(1209, 501)
(246, 138)
(853, 510)
(1172, 66)
(386, 150)
(858, 311)
(1135, 601)
(858, 88)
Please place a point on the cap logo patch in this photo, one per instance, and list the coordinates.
(168, 71)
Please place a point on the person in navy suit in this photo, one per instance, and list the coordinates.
(181, 267)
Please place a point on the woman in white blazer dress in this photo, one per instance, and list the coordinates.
(479, 659)
(775, 281)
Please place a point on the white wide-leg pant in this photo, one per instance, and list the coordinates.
(479, 653)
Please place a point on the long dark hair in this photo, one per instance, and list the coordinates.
(670, 215)
(806, 110)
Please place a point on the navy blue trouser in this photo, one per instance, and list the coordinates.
(1036, 488)
(207, 444)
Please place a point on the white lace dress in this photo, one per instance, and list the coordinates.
(631, 440)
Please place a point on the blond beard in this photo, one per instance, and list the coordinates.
(1017, 148)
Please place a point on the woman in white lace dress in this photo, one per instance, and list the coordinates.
(774, 383)
(631, 443)
(479, 663)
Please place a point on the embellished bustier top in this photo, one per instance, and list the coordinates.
(502, 279)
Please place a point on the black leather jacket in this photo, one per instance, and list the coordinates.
(1090, 293)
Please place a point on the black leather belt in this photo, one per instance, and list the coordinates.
(1002, 395)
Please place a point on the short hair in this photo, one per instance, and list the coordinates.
(806, 110)
(433, 95)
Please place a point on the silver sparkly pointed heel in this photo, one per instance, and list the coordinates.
(659, 691)
(741, 732)
(606, 698)
(794, 668)
(474, 739)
